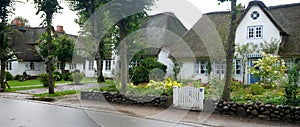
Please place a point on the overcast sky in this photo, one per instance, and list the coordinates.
(188, 11)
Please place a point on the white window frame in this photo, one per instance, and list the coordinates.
(218, 67)
(9, 66)
(91, 64)
(200, 67)
(107, 65)
(32, 66)
(255, 32)
(73, 66)
(238, 66)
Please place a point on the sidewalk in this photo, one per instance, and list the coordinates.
(170, 114)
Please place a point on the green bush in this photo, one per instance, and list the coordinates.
(110, 88)
(140, 74)
(256, 89)
(77, 77)
(291, 89)
(67, 77)
(236, 85)
(18, 77)
(8, 76)
(44, 79)
(57, 76)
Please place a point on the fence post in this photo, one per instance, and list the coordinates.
(201, 97)
(175, 95)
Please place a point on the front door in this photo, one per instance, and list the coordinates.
(252, 78)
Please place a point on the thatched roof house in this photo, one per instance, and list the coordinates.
(207, 36)
(23, 40)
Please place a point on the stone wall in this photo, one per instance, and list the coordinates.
(259, 110)
(147, 100)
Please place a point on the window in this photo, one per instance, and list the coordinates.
(200, 67)
(73, 66)
(255, 32)
(108, 65)
(219, 68)
(238, 66)
(254, 15)
(91, 64)
(83, 67)
(9, 66)
(32, 66)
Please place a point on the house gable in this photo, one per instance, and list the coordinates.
(257, 25)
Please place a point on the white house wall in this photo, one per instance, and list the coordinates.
(19, 67)
(269, 29)
(163, 57)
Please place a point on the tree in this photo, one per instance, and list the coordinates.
(6, 8)
(230, 50)
(242, 51)
(21, 21)
(85, 9)
(48, 8)
(126, 26)
(128, 22)
(271, 70)
(64, 50)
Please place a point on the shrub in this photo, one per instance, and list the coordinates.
(8, 76)
(77, 77)
(271, 70)
(110, 88)
(291, 89)
(256, 89)
(236, 85)
(44, 79)
(67, 77)
(18, 77)
(140, 74)
(57, 76)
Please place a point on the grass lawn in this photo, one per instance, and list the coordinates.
(56, 94)
(34, 82)
(23, 88)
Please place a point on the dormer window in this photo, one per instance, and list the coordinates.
(255, 32)
(255, 15)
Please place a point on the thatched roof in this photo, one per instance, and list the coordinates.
(161, 30)
(23, 38)
(205, 39)
(289, 19)
(204, 42)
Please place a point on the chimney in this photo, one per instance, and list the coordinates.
(60, 29)
(18, 22)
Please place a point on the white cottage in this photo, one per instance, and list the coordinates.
(257, 24)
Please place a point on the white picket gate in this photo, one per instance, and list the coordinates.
(188, 97)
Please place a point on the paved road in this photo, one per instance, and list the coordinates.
(17, 113)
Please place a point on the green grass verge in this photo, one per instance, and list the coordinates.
(23, 88)
(56, 94)
(13, 83)
(108, 82)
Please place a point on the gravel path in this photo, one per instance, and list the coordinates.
(62, 88)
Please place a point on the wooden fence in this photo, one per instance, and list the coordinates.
(188, 97)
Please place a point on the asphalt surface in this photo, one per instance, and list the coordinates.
(19, 113)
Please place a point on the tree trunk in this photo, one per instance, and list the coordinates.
(63, 66)
(99, 69)
(230, 52)
(244, 70)
(50, 56)
(2, 74)
(124, 66)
